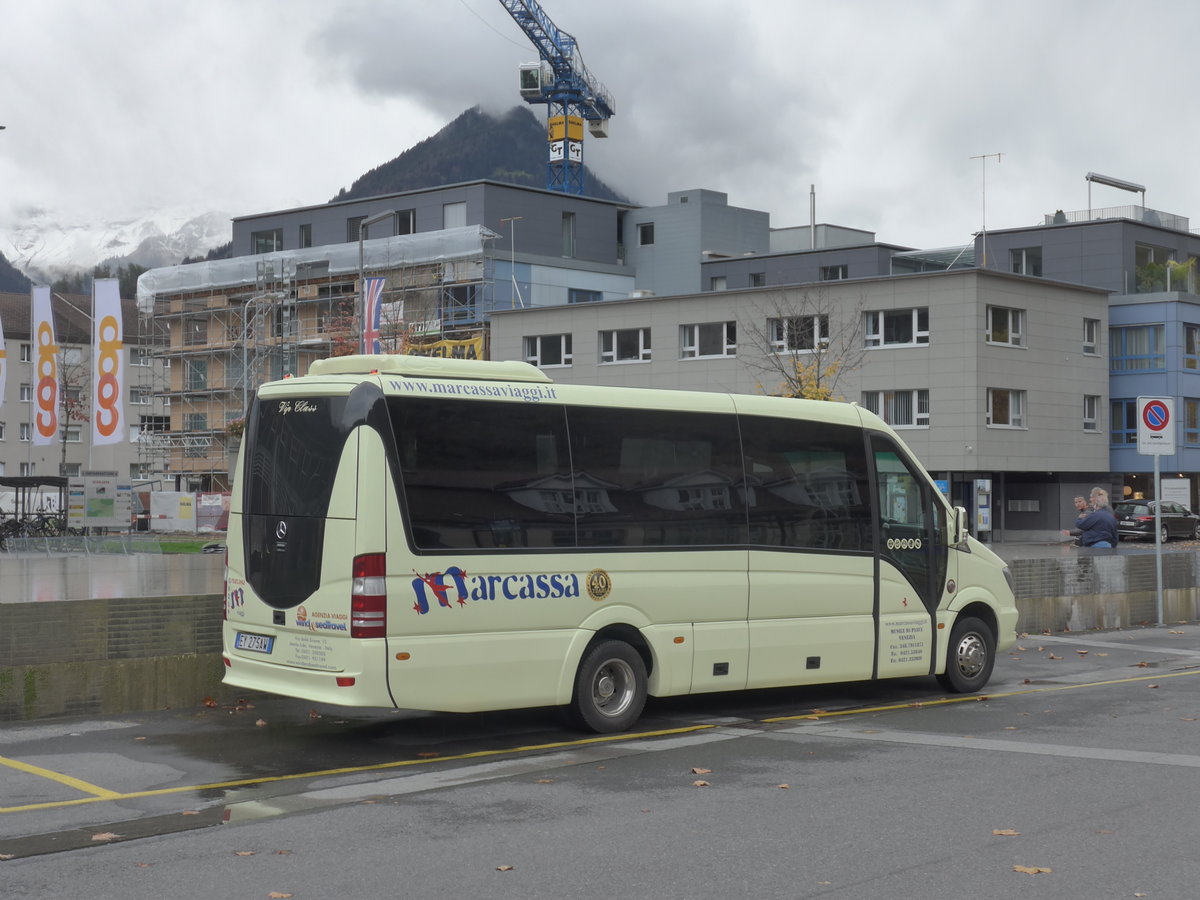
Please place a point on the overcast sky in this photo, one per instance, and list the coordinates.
(116, 107)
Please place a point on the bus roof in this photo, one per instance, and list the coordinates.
(429, 367)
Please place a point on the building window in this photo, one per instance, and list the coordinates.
(1091, 412)
(718, 283)
(897, 327)
(195, 333)
(26, 352)
(627, 345)
(139, 471)
(354, 228)
(546, 350)
(69, 470)
(26, 393)
(1027, 261)
(454, 215)
(709, 339)
(266, 241)
(195, 375)
(645, 234)
(578, 295)
(835, 273)
(1, 431)
(900, 409)
(24, 432)
(406, 221)
(139, 356)
(305, 237)
(798, 333)
(1191, 347)
(758, 279)
(139, 396)
(568, 235)
(1005, 326)
(1091, 336)
(1136, 348)
(28, 468)
(1191, 421)
(1005, 408)
(1123, 422)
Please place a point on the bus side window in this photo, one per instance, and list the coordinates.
(807, 485)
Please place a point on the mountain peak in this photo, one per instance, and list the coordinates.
(510, 147)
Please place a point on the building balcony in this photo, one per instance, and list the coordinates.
(1143, 214)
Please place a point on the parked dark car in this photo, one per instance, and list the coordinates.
(1135, 519)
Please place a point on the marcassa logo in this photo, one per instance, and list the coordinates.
(488, 587)
(904, 544)
(108, 389)
(47, 386)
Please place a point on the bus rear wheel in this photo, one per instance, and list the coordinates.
(969, 656)
(610, 688)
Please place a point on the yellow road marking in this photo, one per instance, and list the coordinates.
(349, 770)
(65, 780)
(102, 795)
(974, 698)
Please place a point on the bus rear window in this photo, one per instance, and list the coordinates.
(292, 454)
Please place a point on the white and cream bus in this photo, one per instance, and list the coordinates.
(461, 536)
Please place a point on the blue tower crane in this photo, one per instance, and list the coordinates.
(572, 95)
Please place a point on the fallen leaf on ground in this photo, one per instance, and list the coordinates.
(1152, 685)
(243, 852)
(544, 781)
(190, 812)
(105, 836)
(783, 787)
(210, 702)
(1052, 656)
(504, 868)
(1143, 665)
(699, 771)
(429, 754)
(283, 852)
(278, 895)
(1004, 831)
(700, 782)
(139, 738)
(261, 722)
(1176, 632)
(1032, 870)
(1082, 652)
(313, 714)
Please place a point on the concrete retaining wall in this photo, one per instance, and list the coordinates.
(106, 657)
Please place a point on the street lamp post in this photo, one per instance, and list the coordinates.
(362, 280)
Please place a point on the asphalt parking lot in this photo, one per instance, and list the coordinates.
(1078, 761)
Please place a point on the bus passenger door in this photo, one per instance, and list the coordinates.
(912, 562)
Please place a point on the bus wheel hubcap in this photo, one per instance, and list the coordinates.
(614, 687)
(971, 655)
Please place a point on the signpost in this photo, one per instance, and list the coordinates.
(1156, 437)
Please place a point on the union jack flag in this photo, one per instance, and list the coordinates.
(372, 310)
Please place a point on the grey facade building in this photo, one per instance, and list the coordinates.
(984, 374)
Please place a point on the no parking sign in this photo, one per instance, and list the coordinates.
(1156, 426)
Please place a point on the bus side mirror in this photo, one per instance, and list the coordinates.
(958, 526)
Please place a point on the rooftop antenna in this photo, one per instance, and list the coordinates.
(983, 165)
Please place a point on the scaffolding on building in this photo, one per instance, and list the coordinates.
(223, 327)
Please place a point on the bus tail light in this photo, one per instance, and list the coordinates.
(368, 596)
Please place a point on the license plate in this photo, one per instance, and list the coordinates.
(256, 643)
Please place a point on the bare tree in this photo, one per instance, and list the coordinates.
(806, 342)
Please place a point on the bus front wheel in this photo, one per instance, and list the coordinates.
(610, 688)
(969, 656)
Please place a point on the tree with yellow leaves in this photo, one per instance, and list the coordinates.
(806, 342)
